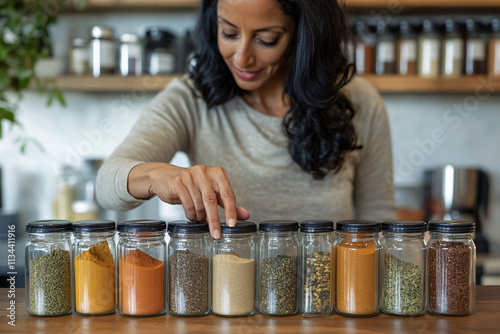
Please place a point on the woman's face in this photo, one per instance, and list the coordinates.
(253, 38)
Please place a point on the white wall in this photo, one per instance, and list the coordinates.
(465, 126)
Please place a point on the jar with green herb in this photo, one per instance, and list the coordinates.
(403, 267)
(317, 268)
(277, 277)
(188, 268)
(48, 267)
(451, 268)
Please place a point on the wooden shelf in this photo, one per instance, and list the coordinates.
(131, 4)
(415, 84)
(384, 84)
(114, 83)
(402, 4)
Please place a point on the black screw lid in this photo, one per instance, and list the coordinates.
(95, 225)
(404, 226)
(278, 225)
(316, 226)
(187, 226)
(241, 227)
(141, 225)
(451, 226)
(358, 226)
(48, 226)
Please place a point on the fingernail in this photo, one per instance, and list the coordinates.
(216, 234)
(232, 222)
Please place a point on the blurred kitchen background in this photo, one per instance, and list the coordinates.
(438, 71)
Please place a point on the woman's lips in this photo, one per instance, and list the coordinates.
(246, 75)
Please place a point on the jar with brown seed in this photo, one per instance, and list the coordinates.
(317, 292)
(188, 268)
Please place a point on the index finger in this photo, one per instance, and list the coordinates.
(210, 202)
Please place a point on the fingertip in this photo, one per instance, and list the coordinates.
(216, 233)
(231, 222)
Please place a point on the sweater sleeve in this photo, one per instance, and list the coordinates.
(164, 127)
(373, 182)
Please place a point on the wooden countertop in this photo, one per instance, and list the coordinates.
(486, 319)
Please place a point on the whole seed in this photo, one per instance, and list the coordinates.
(317, 283)
(278, 283)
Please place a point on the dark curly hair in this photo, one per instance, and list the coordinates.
(319, 123)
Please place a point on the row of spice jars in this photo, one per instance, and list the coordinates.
(102, 54)
(280, 276)
(429, 50)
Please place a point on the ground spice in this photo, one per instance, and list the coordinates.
(233, 285)
(141, 284)
(278, 285)
(403, 287)
(95, 280)
(318, 291)
(449, 277)
(356, 281)
(50, 283)
(188, 278)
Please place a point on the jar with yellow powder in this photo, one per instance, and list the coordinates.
(93, 263)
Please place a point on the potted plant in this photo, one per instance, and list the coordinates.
(24, 41)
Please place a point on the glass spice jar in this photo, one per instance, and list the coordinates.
(233, 270)
(188, 268)
(278, 268)
(494, 48)
(475, 48)
(79, 57)
(385, 54)
(451, 268)
(364, 49)
(357, 250)
(453, 48)
(406, 49)
(102, 51)
(93, 262)
(130, 55)
(141, 268)
(48, 267)
(429, 48)
(403, 267)
(317, 263)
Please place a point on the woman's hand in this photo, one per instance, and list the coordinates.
(199, 189)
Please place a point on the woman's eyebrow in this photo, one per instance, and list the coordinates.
(261, 29)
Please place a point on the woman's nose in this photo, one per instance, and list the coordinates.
(244, 55)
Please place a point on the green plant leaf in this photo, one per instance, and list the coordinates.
(60, 96)
(51, 98)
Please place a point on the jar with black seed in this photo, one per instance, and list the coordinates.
(278, 268)
(188, 268)
(317, 289)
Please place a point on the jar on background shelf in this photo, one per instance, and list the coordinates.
(79, 57)
(364, 49)
(476, 41)
(160, 56)
(130, 55)
(233, 270)
(451, 268)
(406, 49)
(357, 250)
(429, 49)
(452, 63)
(189, 268)
(278, 268)
(317, 268)
(48, 267)
(385, 54)
(403, 268)
(141, 268)
(494, 48)
(93, 255)
(102, 51)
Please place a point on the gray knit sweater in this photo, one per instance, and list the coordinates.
(253, 150)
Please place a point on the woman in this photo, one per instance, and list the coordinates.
(269, 120)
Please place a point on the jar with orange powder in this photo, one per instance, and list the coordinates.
(141, 268)
(93, 262)
(356, 251)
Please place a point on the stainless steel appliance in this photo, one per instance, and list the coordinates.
(460, 194)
